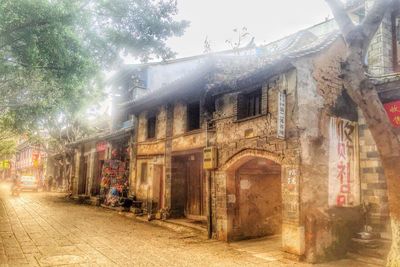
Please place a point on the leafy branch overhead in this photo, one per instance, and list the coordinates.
(52, 52)
(359, 35)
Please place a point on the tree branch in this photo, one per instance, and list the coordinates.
(30, 66)
(374, 18)
(28, 24)
(342, 18)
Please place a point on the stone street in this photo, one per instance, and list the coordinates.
(45, 229)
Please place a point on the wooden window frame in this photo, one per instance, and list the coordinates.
(249, 104)
(193, 107)
(151, 131)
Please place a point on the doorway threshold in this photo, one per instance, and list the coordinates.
(181, 225)
(198, 225)
(267, 248)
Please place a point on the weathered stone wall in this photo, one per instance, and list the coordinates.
(171, 137)
(181, 139)
(239, 141)
(180, 119)
(313, 122)
(160, 113)
(328, 229)
(257, 132)
(142, 127)
(161, 123)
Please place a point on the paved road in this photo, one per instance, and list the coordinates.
(38, 229)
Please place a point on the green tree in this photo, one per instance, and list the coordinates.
(52, 52)
(7, 148)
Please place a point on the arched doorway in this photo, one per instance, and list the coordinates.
(254, 191)
(259, 198)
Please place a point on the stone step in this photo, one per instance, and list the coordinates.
(176, 226)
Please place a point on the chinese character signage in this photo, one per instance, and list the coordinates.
(210, 158)
(281, 115)
(344, 181)
(393, 111)
(290, 193)
(35, 158)
(4, 165)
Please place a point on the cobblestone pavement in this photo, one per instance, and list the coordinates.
(47, 230)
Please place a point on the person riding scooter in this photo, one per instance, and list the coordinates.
(16, 186)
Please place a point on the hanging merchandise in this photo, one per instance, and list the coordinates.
(114, 182)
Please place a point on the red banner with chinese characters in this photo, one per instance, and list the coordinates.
(393, 111)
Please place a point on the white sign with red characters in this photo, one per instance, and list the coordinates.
(344, 180)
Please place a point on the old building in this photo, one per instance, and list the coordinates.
(93, 153)
(31, 159)
(260, 114)
(255, 142)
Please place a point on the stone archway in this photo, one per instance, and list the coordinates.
(258, 199)
(245, 155)
(293, 234)
(254, 194)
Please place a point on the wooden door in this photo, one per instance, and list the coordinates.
(178, 186)
(82, 189)
(258, 190)
(99, 162)
(194, 204)
(158, 186)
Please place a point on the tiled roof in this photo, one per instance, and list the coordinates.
(234, 65)
(299, 45)
(379, 80)
(105, 135)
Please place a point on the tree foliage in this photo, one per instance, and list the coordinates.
(52, 52)
(7, 148)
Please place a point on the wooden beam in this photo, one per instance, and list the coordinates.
(389, 91)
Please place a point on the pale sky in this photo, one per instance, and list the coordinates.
(266, 20)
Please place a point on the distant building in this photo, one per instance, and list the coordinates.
(30, 159)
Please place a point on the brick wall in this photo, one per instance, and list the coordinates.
(373, 182)
(381, 50)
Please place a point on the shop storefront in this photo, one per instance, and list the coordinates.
(114, 186)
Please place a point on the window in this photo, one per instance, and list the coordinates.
(193, 116)
(151, 127)
(143, 173)
(249, 104)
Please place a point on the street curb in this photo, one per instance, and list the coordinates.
(143, 219)
(172, 226)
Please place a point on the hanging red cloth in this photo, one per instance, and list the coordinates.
(393, 111)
